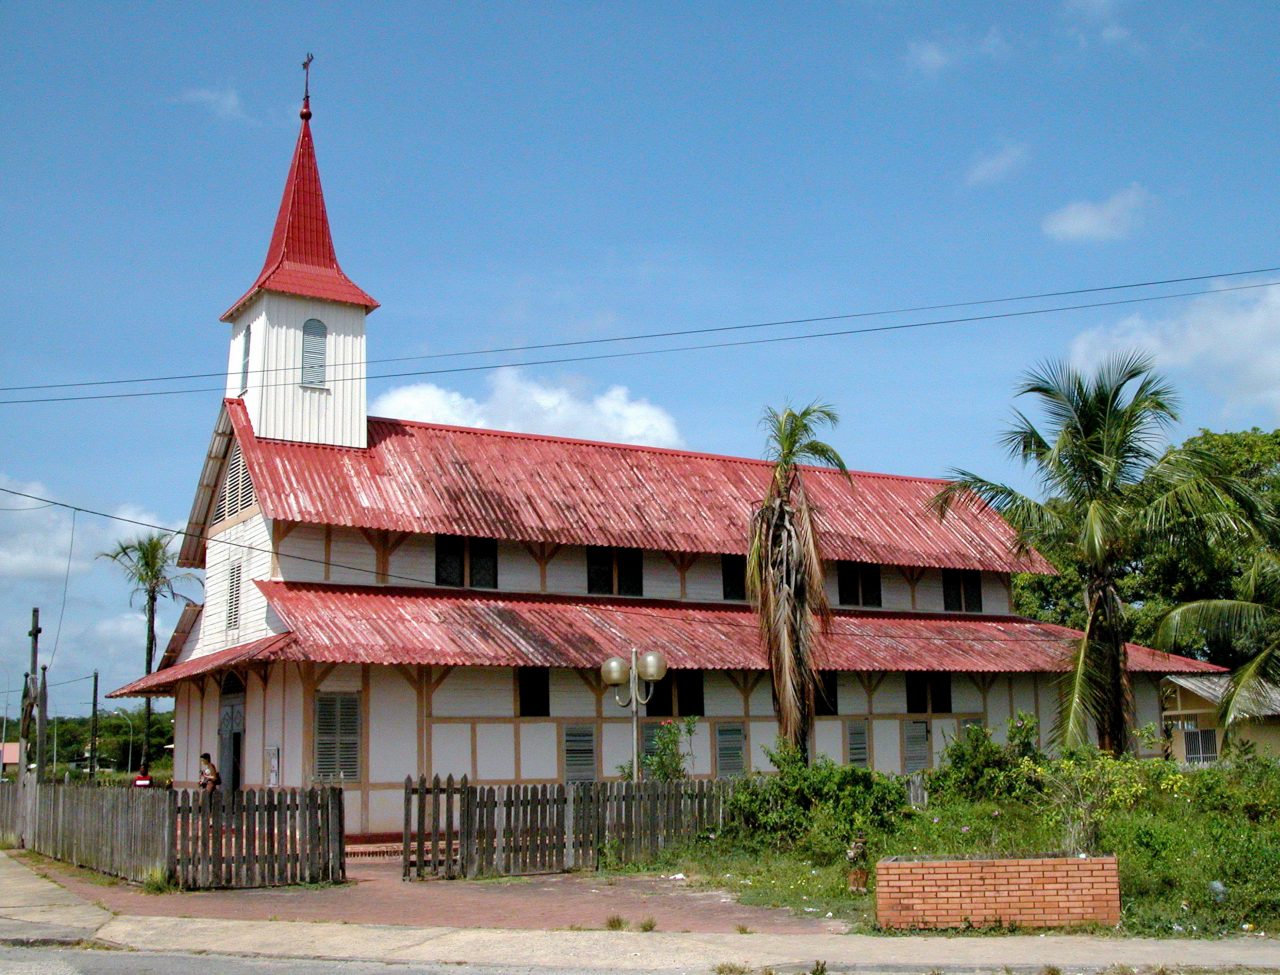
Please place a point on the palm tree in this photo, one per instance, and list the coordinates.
(785, 579)
(148, 563)
(1110, 484)
(1256, 612)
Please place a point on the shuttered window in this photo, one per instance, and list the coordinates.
(915, 740)
(859, 746)
(244, 363)
(579, 753)
(858, 584)
(731, 758)
(234, 574)
(314, 334)
(962, 590)
(338, 736)
(237, 488)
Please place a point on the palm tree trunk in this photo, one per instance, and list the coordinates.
(151, 653)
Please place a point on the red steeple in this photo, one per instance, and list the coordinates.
(301, 259)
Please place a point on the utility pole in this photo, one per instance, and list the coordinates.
(42, 723)
(29, 697)
(93, 733)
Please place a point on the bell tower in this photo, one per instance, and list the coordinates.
(297, 355)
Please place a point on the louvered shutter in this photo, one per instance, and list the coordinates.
(233, 596)
(916, 740)
(859, 754)
(313, 342)
(648, 740)
(731, 756)
(579, 753)
(338, 736)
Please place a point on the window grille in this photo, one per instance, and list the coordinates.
(579, 753)
(1202, 746)
(314, 334)
(859, 750)
(338, 736)
(731, 757)
(233, 596)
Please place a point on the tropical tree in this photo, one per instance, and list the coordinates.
(1111, 487)
(148, 563)
(1255, 614)
(785, 579)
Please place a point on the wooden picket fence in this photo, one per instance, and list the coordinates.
(453, 829)
(257, 838)
(197, 840)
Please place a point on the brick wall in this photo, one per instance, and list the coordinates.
(1042, 893)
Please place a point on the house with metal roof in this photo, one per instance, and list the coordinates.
(1191, 706)
(388, 598)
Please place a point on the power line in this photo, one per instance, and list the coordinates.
(66, 585)
(676, 332)
(994, 316)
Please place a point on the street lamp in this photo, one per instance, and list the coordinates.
(648, 668)
(129, 767)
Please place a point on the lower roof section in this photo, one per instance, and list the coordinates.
(386, 625)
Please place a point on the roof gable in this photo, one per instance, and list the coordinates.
(429, 478)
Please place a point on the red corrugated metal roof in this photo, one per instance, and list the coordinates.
(382, 625)
(301, 259)
(162, 681)
(423, 477)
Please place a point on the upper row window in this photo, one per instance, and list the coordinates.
(466, 562)
(615, 571)
(962, 590)
(858, 583)
(314, 334)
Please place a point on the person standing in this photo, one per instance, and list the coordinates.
(143, 779)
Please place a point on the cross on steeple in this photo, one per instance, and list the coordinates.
(306, 68)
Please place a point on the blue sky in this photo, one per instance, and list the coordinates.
(502, 174)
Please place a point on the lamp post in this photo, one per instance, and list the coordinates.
(648, 668)
(126, 717)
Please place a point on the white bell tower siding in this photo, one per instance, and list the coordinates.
(325, 405)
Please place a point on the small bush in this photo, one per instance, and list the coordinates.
(648, 924)
(158, 882)
(616, 922)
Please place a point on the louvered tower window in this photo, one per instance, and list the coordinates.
(237, 489)
(313, 341)
(234, 574)
(338, 737)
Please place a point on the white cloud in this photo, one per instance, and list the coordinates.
(1230, 340)
(1112, 219)
(223, 103)
(1096, 20)
(994, 166)
(528, 406)
(932, 57)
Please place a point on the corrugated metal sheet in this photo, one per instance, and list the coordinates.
(357, 624)
(419, 477)
(300, 258)
(163, 681)
(1263, 702)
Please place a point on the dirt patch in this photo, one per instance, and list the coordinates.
(377, 895)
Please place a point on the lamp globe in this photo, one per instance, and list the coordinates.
(614, 671)
(652, 666)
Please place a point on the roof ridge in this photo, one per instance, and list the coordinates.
(641, 448)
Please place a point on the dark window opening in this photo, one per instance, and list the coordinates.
(858, 584)
(962, 590)
(733, 573)
(463, 562)
(662, 700)
(689, 696)
(615, 571)
(533, 687)
(826, 697)
(928, 693)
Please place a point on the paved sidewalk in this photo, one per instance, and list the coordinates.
(39, 909)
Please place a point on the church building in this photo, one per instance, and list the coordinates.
(387, 598)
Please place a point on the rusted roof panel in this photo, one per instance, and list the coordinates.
(425, 478)
(382, 625)
(164, 680)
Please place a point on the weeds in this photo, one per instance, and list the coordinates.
(648, 924)
(731, 968)
(616, 922)
(743, 929)
(819, 968)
